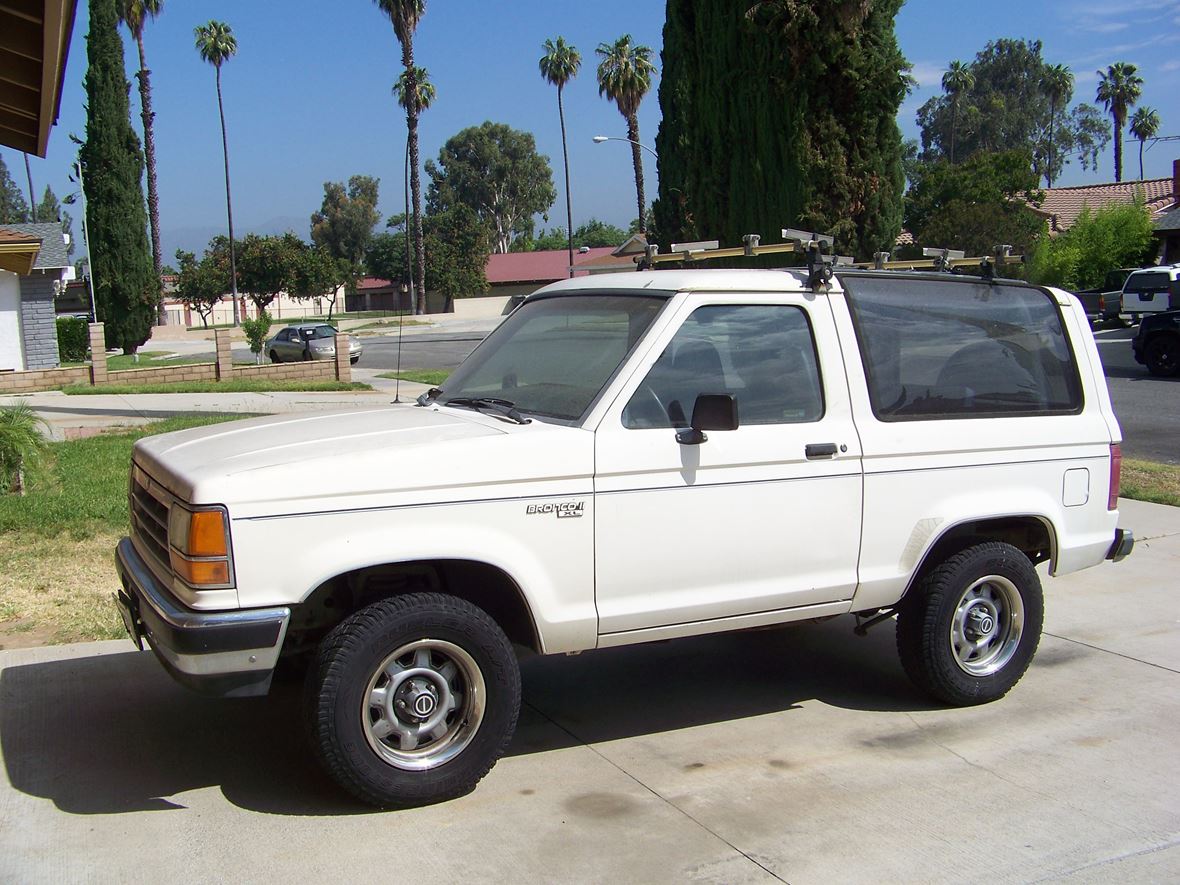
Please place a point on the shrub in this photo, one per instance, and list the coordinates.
(1115, 236)
(256, 332)
(73, 339)
(23, 449)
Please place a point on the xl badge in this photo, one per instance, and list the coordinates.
(564, 509)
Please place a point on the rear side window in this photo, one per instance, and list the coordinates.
(1148, 282)
(957, 349)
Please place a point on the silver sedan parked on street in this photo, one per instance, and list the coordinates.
(308, 341)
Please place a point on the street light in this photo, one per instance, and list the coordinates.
(599, 139)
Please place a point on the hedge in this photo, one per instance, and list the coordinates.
(73, 339)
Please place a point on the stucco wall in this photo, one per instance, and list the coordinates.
(11, 353)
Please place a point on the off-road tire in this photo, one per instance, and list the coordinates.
(353, 654)
(927, 617)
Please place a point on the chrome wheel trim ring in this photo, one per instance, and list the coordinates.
(451, 676)
(986, 626)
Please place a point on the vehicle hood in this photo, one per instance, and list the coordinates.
(355, 458)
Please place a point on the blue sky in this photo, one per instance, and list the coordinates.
(308, 96)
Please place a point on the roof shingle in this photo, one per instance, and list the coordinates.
(1063, 205)
(54, 250)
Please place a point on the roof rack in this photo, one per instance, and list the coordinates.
(817, 249)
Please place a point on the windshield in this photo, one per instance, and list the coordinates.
(319, 332)
(552, 356)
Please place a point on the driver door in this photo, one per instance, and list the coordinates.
(753, 520)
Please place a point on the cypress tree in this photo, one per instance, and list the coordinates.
(112, 164)
(785, 117)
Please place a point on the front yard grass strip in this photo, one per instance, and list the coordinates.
(1151, 481)
(253, 385)
(433, 377)
(57, 542)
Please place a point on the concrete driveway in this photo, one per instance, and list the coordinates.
(798, 754)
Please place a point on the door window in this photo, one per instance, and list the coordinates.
(762, 355)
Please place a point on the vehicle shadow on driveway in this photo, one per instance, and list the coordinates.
(112, 733)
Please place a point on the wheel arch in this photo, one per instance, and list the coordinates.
(1034, 535)
(483, 584)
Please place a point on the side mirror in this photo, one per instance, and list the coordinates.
(712, 411)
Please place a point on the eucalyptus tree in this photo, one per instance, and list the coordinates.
(559, 65)
(1059, 89)
(216, 44)
(957, 80)
(405, 15)
(624, 76)
(1145, 124)
(415, 89)
(134, 14)
(1119, 87)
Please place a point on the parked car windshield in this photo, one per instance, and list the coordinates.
(552, 356)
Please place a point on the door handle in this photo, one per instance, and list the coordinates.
(820, 450)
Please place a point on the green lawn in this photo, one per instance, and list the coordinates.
(1149, 481)
(253, 385)
(57, 542)
(433, 377)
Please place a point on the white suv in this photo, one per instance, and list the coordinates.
(1151, 290)
(629, 458)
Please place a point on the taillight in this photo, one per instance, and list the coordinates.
(1116, 470)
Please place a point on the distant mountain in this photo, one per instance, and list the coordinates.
(196, 238)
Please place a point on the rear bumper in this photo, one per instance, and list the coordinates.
(227, 654)
(1124, 543)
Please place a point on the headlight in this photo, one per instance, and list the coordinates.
(199, 546)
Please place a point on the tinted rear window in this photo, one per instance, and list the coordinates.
(1148, 282)
(957, 349)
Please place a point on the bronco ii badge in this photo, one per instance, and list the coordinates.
(563, 509)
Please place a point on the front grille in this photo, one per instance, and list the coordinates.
(149, 517)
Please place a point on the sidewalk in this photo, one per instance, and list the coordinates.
(73, 416)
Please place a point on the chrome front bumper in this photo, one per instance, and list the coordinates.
(225, 653)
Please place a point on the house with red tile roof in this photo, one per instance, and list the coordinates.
(1063, 205)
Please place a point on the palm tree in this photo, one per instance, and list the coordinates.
(134, 14)
(216, 44)
(1144, 125)
(624, 76)
(1058, 83)
(22, 446)
(414, 89)
(957, 80)
(1119, 88)
(405, 15)
(558, 66)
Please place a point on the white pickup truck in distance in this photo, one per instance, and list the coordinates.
(628, 458)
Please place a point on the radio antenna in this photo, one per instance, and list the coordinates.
(397, 384)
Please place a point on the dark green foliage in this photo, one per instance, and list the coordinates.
(975, 205)
(268, 266)
(782, 118)
(73, 339)
(344, 224)
(23, 449)
(593, 233)
(13, 208)
(1014, 99)
(496, 172)
(1114, 236)
(124, 287)
(318, 274)
(200, 284)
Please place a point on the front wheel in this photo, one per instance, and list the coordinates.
(1163, 356)
(972, 626)
(413, 699)
(274, 357)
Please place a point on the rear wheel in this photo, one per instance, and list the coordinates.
(413, 699)
(274, 357)
(1163, 356)
(972, 626)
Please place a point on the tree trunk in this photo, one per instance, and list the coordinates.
(1118, 149)
(149, 152)
(229, 211)
(415, 181)
(637, 161)
(1049, 170)
(1141, 158)
(569, 211)
(32, 197)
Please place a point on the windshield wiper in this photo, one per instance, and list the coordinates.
(490, 404)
